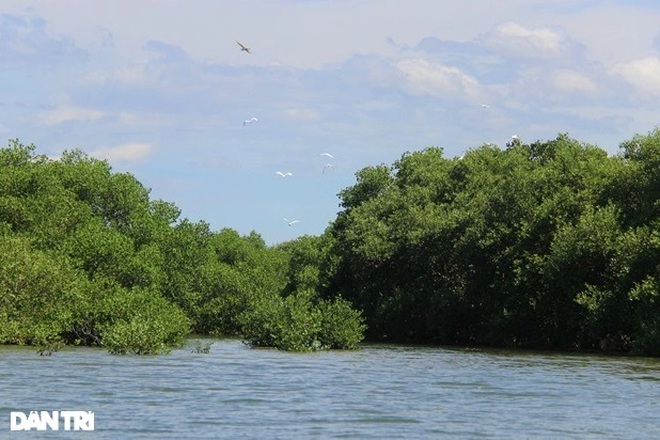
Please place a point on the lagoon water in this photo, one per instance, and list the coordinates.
(379, 392)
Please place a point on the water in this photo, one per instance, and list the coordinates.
(379, 392)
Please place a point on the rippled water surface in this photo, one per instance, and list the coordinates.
(381, 391)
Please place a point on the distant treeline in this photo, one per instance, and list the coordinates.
(548, 245)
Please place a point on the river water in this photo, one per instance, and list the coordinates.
(379, 392)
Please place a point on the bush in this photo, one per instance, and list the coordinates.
(297, 323)
(140, 322)
(261, 323)
(342, 327)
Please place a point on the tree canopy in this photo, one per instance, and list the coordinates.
(86, 257)
(552, 244)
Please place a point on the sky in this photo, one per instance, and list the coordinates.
(161, 90)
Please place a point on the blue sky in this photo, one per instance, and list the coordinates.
(161, 89)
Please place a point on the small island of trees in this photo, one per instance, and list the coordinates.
(551, 245)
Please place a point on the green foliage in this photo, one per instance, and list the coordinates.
(139, 322)
(537, 245)
(38, 294)
(240, 272)
(551, 244)
(87, 258)
(299, 322)
(307, 258)
(307, 316)
(77, 240)
(341, 327)
(647, 294)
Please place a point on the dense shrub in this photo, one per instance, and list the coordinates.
(299, 323)
(140, 322)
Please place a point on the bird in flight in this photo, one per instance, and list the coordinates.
(485, 106)
(291, 222)
(327, 155)
(249, 121)
(244, 48)
(328, 166)
(281, 174)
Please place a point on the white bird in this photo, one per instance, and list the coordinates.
(515, 137)
(281, 174)
(291, 222)
(249, 121)
(485, 105)
(244, 48)
(327, 155)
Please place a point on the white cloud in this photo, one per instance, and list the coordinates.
(425, 78)
(517, 41)
(643, 74)
(66, 114)
(574, 82)
(126, 152)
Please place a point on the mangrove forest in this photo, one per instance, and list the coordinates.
(550, 245)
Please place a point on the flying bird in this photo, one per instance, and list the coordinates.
(291, 222)
(249, 121)
(485, 106)
(327, 155)
(244, 48)
(281, 174)
(328, 166)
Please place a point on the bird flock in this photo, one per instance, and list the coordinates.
(329, 166)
